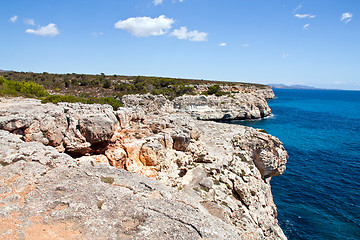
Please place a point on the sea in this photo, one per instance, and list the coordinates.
(318, 196)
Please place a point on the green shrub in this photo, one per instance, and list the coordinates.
(221, 93)
(107, 83)
(63, 98)
(109, 180)
(72, 99)
(23, 88)
(215, 90)
(111, 101)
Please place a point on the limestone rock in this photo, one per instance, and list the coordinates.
(150, 103)
(128, 115)
(229, 171)
(71, 127)
(239, 106)
(63, 200)
(219, 171)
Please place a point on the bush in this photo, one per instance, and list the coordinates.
(262, 130)
(62, 98)
(221, 93)
(107, 83)
(111, 101)
(213, 89)
(72, 99)
(28, 89)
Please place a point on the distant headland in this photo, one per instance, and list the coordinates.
(291, 86)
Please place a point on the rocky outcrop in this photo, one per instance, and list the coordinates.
(237, 106)
(228, 173)
(46, 195)
(71, 127)
(223, 171)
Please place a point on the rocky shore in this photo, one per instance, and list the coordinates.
(238, 106)
(150, 170)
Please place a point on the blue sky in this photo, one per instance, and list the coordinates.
(307, 42)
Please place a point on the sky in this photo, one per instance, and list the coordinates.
(315, 43)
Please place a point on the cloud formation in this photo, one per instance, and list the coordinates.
(306, 26)
(222, 44)
(297, 8)
(285, 55)
(304, 15)
(47, 31)
(157, 2)
(29, 21)
(183, 33)
(246, 45)
(97, 34)
(14, 18)
(146, 26)
(346, 17)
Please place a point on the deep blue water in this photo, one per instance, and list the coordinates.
(318, 197)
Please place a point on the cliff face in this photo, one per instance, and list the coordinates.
(240, 105)
(218, 174)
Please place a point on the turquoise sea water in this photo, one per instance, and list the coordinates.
(318, 197)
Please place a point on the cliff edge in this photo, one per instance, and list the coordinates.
(63, 174)
(237, 106)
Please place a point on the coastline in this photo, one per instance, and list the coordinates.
(221, 170)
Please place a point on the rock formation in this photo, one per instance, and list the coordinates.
(47, 195)
(211, 180)
(239, 106)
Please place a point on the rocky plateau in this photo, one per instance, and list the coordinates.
(151, 170)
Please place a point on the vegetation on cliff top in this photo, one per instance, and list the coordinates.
(21, 88)
(31, 89)
(102, 88)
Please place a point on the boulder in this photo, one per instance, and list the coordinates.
(71, 127)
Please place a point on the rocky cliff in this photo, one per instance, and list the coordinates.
(63, 174)
(238, 105)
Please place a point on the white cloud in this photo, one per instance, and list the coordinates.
(14, 18)
(222, 44)
(304, 15)
(97, 34)
(246, 45)
(157, 2)
(195, 35)
(285, 55)
(297, 8)
(146, 26)
(346, 17)
(47, 31)
(306, 26)
(29, 21)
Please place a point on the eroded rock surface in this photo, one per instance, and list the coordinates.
(71, 127)
(240, 105)
(47, 195)
(223, 171)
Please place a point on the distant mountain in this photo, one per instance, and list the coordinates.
(291, 86)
